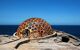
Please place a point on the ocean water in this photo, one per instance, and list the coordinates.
(71, 29)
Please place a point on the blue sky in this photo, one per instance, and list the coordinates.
(56, 12)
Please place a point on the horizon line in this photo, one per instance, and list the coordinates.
(50, 24)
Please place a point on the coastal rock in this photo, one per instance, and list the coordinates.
(48, 44)
(39, 44)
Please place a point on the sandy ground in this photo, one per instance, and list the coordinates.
(43, 44)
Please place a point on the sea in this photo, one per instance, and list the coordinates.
(71, 29)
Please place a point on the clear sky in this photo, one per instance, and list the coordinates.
(56, 12)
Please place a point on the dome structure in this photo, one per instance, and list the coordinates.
(34, 28)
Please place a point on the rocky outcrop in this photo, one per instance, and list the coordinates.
(59, 41)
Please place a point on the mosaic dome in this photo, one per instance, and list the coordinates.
(34, 28)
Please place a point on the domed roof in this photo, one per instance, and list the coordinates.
(34, 28)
